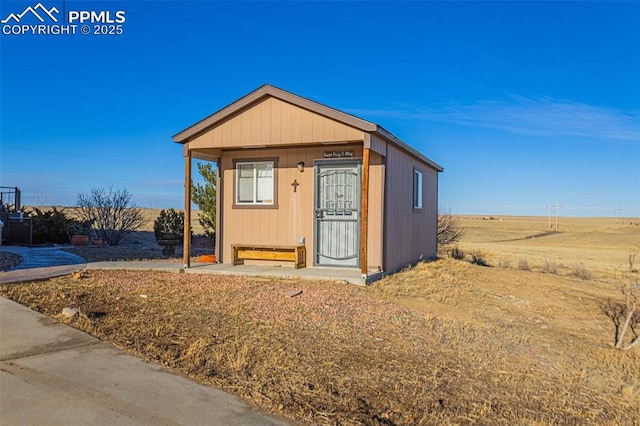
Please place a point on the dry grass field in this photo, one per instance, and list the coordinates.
(151, 214)
(446, 342)
(148, 214)
(600, 244)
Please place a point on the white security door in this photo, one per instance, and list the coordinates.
(337, 214)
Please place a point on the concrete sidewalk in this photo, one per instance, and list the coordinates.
(48, 262)
(53, 374)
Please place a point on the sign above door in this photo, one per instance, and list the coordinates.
(337, 154)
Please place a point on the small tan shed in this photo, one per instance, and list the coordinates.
(294, 174)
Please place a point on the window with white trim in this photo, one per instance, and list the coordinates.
(255, 183)
(417, 189)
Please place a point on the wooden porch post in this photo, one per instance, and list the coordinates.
(186, 250)
(365, 212)
(218, 239)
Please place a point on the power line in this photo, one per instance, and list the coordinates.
(42, 198)
(620, 211)
(553, 208)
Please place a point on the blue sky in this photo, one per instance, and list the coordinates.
(523, 103)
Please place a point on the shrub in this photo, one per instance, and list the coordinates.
(50, 226)
(112, 213)
(523, 264)
(504, 263)
(549, 267)
(477, 259)
(456, 253)
(632, 259)
(625, 316)
(580, 271)
(450, 229)
(169, 222)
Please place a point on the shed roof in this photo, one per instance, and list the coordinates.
(268, 90)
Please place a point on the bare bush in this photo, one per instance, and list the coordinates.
(632, 259)
(504, 263)
(477, 259)
(112, 213)
(625, 316)
(578, 270)
(624, 319)
(549, 267)
(450, 230)
(456, 253)
(631, 318)
(523, 264)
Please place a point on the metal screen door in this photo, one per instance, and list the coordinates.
(337, 214)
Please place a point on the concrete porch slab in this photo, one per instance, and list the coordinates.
(337, 274)
(317, 273)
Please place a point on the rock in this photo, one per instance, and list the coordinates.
(70, 312)
(293, 293)
(79, 275)
(627, 391)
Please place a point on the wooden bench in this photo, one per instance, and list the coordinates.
(295, 254)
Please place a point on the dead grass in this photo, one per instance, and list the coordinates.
(443, 343)
(601, 245)
(446, 342)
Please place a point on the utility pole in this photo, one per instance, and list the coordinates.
(42, 198)
(554, 208)
(620, 213)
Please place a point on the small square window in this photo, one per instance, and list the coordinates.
(417, 189)
(255, 183)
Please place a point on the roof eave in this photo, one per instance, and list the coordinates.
(380, 131)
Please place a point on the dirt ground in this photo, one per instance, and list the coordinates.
(446, 342)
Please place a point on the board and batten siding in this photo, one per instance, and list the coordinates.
(272, 124)
(294, 216)
(376, 211)
(408, 234)
(275, 122)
